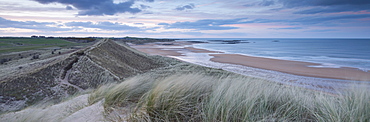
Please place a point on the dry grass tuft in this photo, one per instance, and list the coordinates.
(213, 95)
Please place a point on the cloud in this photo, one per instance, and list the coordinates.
(41, 26)
(333, 9)
(206, 24)
(69, 8)
(164, 24)
(98, 7)
(189, 6)
(327, 6)
(287, 28)
(10, 7)
(262, 3)
(315, 20)
(298, 3)
(321, 30)
(144, 7)
(102, 25)
(332, 20)
(267, 3)
(226, 24)
(323, 19)
(171, 33)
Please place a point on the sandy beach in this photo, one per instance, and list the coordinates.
(293, 67)
(285, 66)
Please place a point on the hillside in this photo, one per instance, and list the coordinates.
(59, 77)
(192, 93)
(112, 82)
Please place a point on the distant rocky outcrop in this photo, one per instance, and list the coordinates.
(106, 61)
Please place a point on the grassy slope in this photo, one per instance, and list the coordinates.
(84, 69)
(35, 41)
(4, 44)
(24, 44)
(121, 60)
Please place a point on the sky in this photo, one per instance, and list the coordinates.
(187, 18)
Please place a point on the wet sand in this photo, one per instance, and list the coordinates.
(285, 66)
(293, 67)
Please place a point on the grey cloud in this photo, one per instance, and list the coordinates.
(206, 24)
(6, 7)
(321, 30)
(192, 33)
(327, 6)
(265, 21)
(163, 24)
(317, 20)
(249, 5)
(98, 7)
(310, 20)
(189, 6)
(297, 3)
(332, 9)
(144, 7)
(148, 13)
(263, 3)
(232, 35)
(267, 3)
(69, 8)
(214, 24)
(41, 26)
(288, 28)
(167, 33)
(101, 25)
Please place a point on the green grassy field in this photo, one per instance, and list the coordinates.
(28, 41)
(24, 44)
(3, 44)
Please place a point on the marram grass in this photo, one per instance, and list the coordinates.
(206, 95)
(227, 98)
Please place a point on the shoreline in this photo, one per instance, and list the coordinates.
(293, 67)
(180, 49)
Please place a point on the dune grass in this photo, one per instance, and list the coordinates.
(213, 95)
(197, 94)
(348, 106)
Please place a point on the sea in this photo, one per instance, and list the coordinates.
(329, 52)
